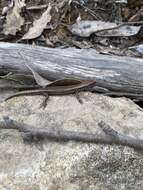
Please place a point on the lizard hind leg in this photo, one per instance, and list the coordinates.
(78, 97)
(44, 102)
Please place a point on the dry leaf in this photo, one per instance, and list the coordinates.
(38, 78)
(137, 50)
(82, 44)
(49, 43)
(87, 27)
(41, 81)
(7, 8)
(14, 21)
(38, 25)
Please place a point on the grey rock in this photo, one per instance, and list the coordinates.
(50, 165)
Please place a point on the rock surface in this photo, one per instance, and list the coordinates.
(71, 166)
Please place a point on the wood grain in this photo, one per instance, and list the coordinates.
(116, 73)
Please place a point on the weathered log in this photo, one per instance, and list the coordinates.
(116, 73)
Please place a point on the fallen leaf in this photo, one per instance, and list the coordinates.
(7, 8)
(49, 43)
(41, 81)
(38, 78)
(87, 27)
(137, 50)
(38, 25)
(82, 44)
(14, 21)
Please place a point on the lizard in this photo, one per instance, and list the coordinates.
(58, 87)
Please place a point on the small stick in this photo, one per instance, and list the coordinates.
(110, 136)
(121, 139)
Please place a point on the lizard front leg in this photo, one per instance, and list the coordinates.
(44, 103)
(78, 96)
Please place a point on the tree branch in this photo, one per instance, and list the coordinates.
(110, 136)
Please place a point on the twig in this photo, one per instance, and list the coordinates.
(110, 137)
(8, 77)
(118, 26)
(37, 7)
(91, 12)
(121, 139)
(18, 87)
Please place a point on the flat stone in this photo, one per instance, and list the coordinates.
(50, 165)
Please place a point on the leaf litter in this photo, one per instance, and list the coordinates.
(106, 26)
(38, 25)
(14, 21)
